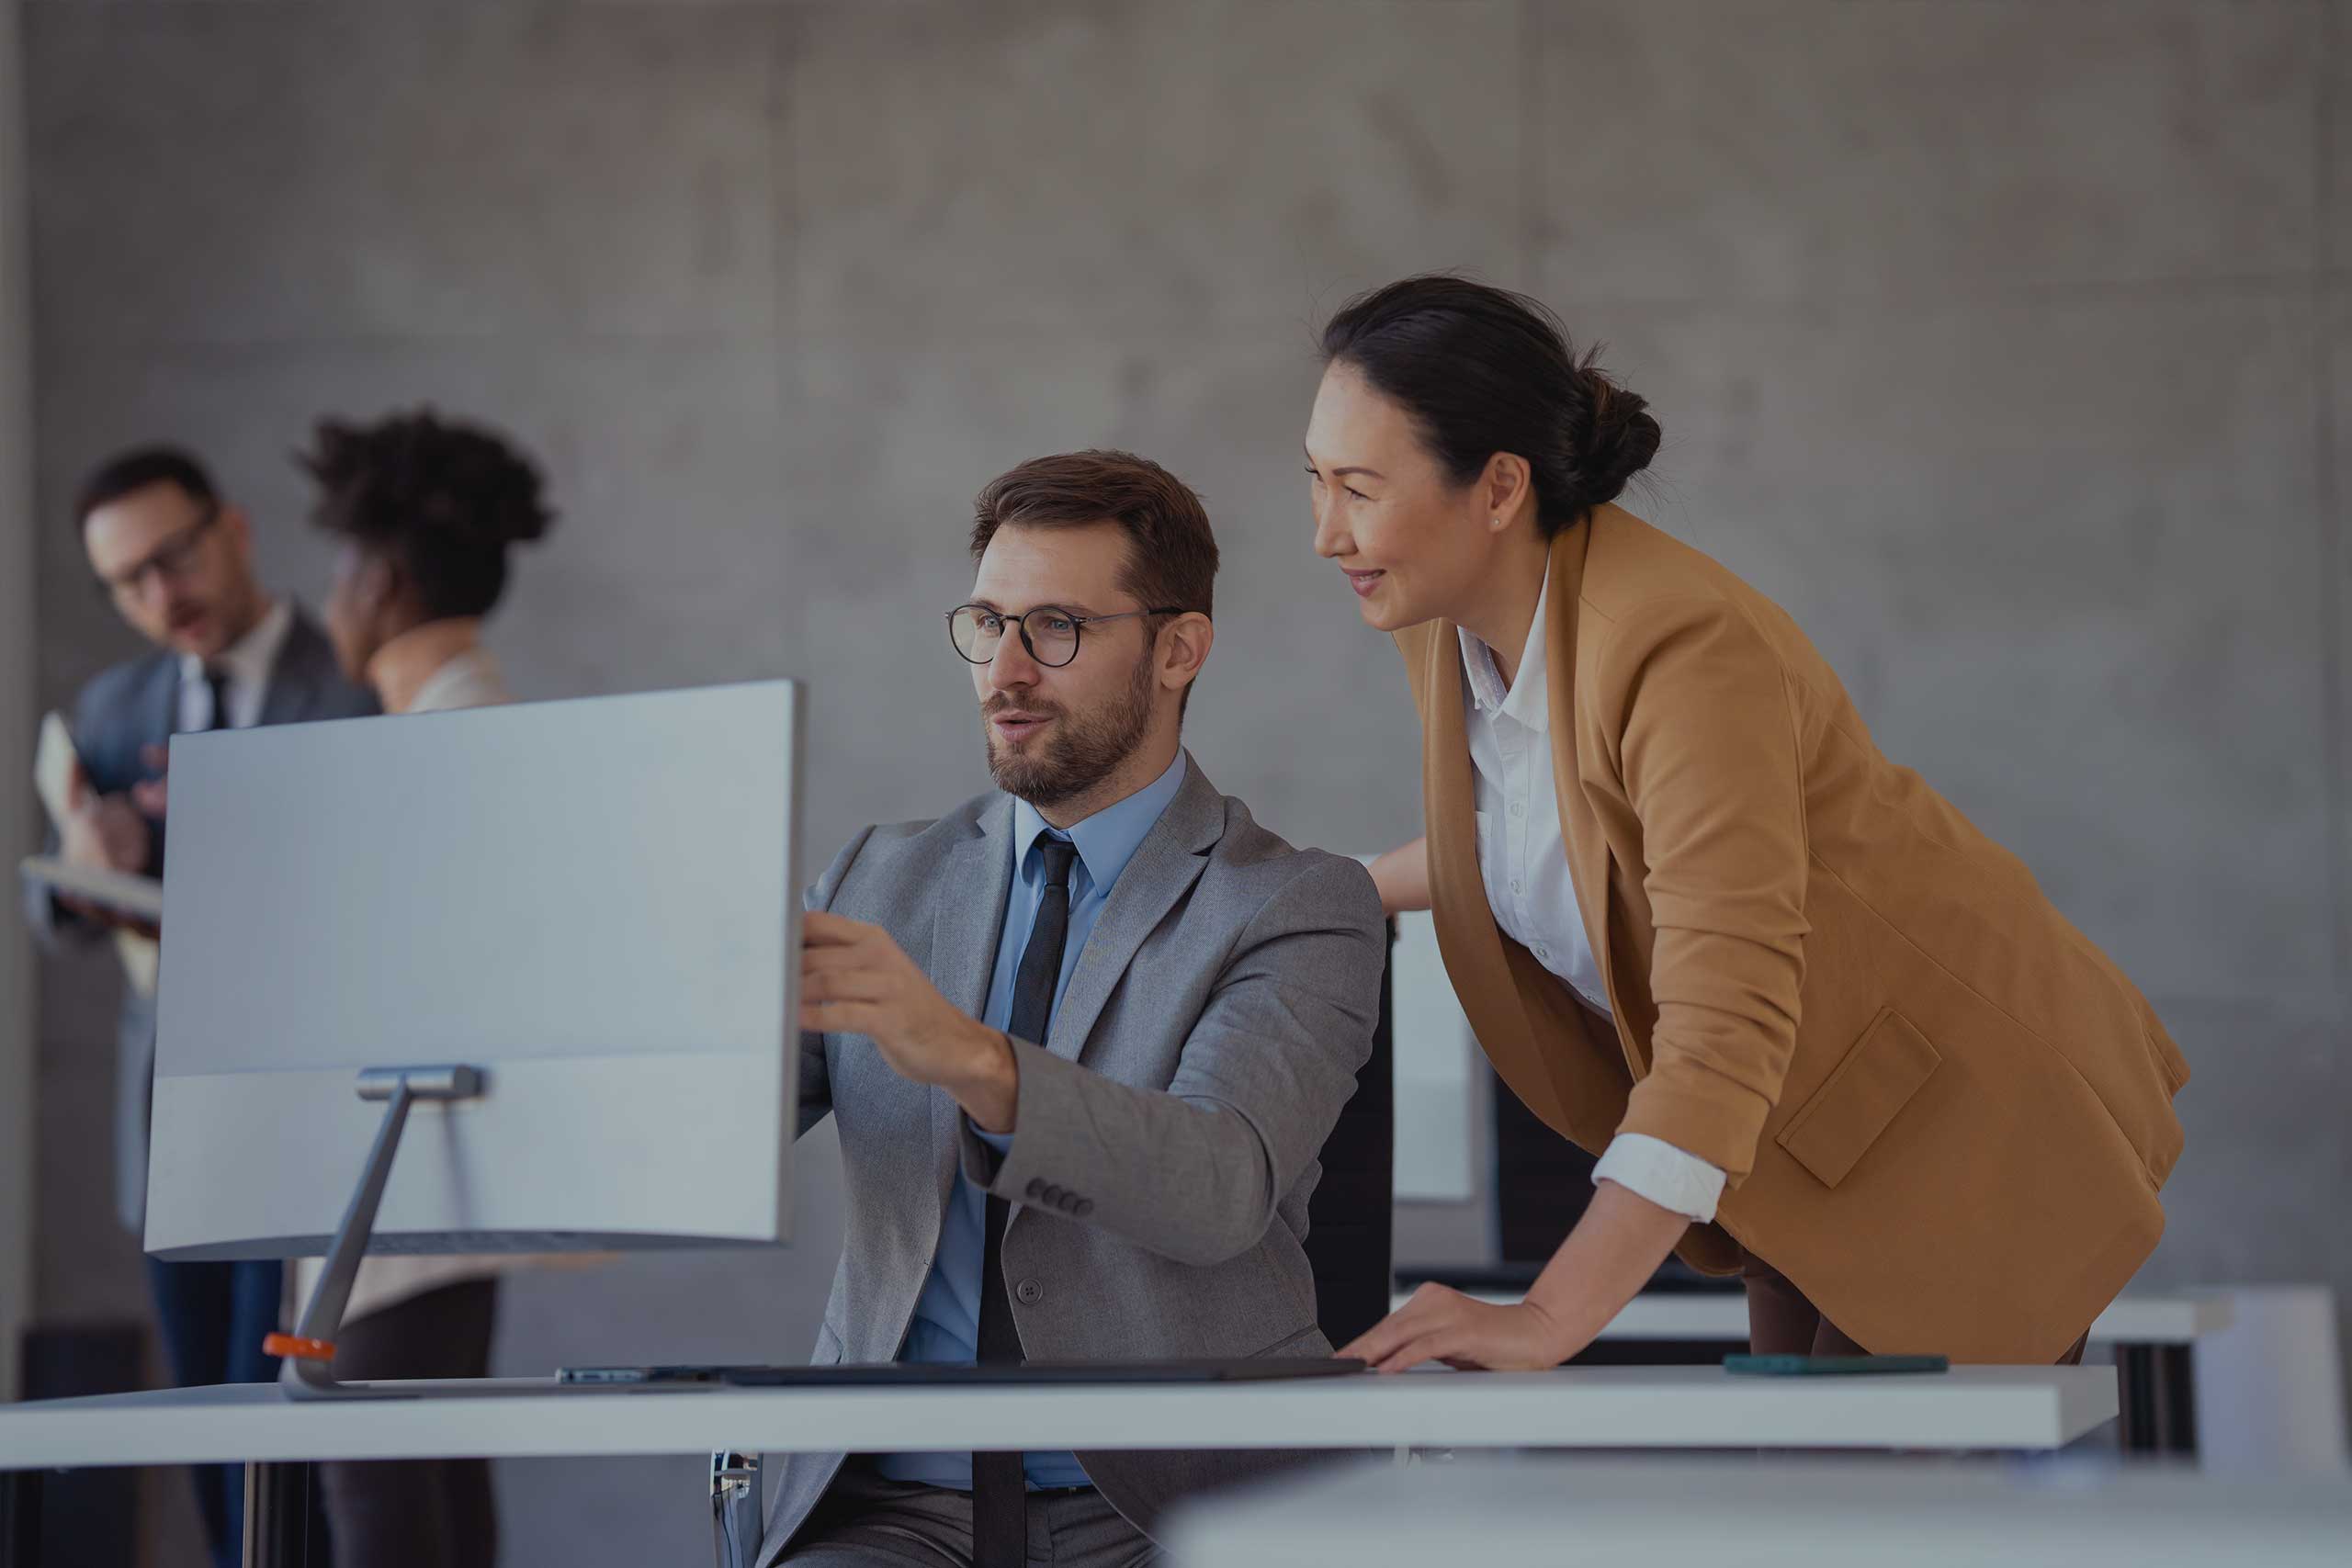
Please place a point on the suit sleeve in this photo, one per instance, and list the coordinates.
(1708, 752)
(816, 1079)
(1194, 1172)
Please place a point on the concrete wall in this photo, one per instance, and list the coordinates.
(16, 1073)
(2001, 340)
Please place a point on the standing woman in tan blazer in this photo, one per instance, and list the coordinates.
(1820, 1030)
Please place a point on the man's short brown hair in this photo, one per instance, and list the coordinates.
(1171, 554)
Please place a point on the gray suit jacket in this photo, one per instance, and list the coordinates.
(123, 710)
(1167, 1134)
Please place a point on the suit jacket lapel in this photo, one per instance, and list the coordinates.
(1170, 860)
(1467, 937)
(157, 719)
(975, 875)
(1579, 826)
(294, 676)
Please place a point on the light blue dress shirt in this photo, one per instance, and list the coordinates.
(947, 1329)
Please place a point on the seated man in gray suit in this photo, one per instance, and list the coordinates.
(177, 561)
(1083, 1040)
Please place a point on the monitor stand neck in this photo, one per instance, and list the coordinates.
(309, 1352)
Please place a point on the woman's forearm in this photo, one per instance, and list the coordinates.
(1604, 1263)
(1403, 877)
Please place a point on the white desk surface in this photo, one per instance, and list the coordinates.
(1707, 1512)
(2131, 1320)
(1617, 1407)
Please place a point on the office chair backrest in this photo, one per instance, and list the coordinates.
(1347, 1220)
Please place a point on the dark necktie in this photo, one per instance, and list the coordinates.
(999, 1488)
(219, 680)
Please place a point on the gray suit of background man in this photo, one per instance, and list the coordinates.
(178, 561)
(122, 716)
(1156, 1144)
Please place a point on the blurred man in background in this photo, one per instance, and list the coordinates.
(176, 562)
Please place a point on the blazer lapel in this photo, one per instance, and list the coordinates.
(157, 720)
(1579, 826)
(159, 716)
(303, 661)
(1170, 860)
(974, 877)
(1467, 937)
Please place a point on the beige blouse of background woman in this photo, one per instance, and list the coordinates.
(433, 669)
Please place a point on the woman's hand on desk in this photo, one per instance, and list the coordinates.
(1610, 1256)
(1443, 1325)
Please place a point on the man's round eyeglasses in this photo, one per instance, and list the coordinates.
(1049, 633)
(170, 560)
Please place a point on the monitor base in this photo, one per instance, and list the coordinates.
(308, 1367)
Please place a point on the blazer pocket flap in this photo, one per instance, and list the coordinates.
(1871, 1086)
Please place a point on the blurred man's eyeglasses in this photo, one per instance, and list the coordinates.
(169, 560)
(1049, 633)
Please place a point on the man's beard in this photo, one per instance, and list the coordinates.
(1078, 751)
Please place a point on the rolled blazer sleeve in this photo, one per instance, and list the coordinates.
(1708, 752)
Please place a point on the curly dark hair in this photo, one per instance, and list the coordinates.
(441, 499)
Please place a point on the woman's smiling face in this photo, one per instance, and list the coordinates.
(1412, 542)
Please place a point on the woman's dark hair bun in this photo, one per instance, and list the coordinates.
(1623, 435)
(1483, 370)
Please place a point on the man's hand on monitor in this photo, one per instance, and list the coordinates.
(855, 979)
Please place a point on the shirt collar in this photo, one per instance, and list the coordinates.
(408, 664)
(1108, 839)
(1528, 702)
(249, 659)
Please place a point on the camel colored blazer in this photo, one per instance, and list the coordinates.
(1944, 1114)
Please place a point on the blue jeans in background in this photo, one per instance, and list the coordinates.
(213, 1317)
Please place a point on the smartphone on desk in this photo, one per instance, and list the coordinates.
(1831, 1366)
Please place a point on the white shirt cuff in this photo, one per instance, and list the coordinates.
(1653, 1168)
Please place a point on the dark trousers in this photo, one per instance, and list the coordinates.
(409, 1513)
(213, 1317)
(1782, 1321)
(867, 1520)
